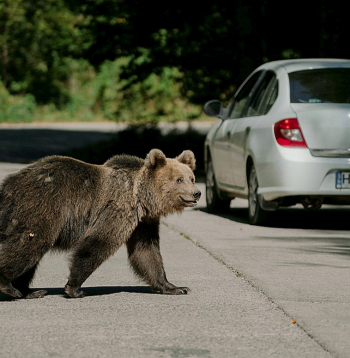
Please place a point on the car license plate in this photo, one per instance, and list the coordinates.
(342, 180)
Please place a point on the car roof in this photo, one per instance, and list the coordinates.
(292, 65)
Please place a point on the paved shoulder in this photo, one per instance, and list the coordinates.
(222, 317)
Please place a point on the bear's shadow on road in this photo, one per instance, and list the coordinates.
(90, 291)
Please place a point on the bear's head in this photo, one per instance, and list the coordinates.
(174, 180)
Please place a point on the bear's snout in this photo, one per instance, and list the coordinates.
(197, 194)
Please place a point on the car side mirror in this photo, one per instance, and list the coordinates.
(214, 108)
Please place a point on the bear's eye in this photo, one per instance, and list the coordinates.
(179, 180)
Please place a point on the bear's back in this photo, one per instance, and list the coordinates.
(124, 161)
(50, 179)
(53, 169)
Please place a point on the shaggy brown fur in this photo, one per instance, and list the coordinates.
(59, 203)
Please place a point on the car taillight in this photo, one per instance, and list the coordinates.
(288, 133)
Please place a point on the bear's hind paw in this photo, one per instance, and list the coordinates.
(10, 290)
(36, 294)
(74, 292)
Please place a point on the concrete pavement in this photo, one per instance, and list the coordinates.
(300, 263)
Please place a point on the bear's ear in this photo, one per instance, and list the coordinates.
(187, 157)
(155, 158)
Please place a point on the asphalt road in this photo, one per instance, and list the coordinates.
(277, 291)
(22, 143)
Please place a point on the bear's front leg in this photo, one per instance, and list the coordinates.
(146, 260)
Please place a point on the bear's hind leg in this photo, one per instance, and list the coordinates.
(146, 260)
(89, 255)
(22, 284)
(18, 262)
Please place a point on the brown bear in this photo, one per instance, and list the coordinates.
(60, 203)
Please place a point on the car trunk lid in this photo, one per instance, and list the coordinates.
(326, 127)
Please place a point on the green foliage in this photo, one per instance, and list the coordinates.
(289, 53)
(131, 61)
(35, 38)
(15, 109)
(105, 95)
(217, 45)
(156, 98)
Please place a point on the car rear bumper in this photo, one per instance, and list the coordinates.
(295, 172)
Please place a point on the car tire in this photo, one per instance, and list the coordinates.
(214, 203)
(257, 215)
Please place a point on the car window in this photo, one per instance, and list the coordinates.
(272, 93)
(263, 95)
(328, 85)
(242, 96)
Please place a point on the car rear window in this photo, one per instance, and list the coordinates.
(330, 85)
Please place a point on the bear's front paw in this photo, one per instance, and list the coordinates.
(74, 292)
(176, 291)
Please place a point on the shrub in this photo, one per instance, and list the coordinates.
(16, 108)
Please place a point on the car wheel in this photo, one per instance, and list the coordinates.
(214, 202)
(257, 215)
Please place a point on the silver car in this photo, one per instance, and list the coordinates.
(283, 139)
